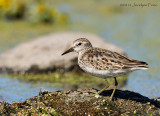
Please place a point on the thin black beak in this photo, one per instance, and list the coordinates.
(70, 50)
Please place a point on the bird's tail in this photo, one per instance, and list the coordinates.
(141, 65)
(137, 65)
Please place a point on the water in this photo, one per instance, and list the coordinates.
(12, 90)
(137, 31)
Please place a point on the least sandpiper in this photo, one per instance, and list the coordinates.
(103, 63)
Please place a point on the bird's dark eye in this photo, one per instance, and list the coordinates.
(79, 44)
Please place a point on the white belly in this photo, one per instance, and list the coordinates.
(103, 73)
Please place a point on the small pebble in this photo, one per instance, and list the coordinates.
(97, 96)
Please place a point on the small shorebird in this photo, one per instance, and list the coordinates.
(103, 63)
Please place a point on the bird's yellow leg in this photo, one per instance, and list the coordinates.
(107, 85)
(115, 87)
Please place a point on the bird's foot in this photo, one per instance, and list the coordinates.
(93, 91)
(110, 98)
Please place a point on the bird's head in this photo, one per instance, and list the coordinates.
(79, 45)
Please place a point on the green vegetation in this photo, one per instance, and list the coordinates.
(27, 19)
(35, 11)
(68, 80)
(15, 32)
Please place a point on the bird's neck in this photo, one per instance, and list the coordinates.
(83, 51)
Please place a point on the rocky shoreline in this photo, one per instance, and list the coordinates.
(83, 102)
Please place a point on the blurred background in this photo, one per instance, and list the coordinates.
(134, 28)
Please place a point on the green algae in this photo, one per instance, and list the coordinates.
(68, 80)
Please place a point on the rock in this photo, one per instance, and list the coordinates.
(84, 102)
(44, 53)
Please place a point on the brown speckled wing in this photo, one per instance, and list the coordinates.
(102, 59)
